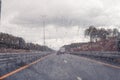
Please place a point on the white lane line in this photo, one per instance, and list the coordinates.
(65, 61)
(79, 78)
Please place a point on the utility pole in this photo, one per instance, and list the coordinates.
(0, 10)
(44, 42)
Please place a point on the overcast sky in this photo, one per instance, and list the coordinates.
(65, 20)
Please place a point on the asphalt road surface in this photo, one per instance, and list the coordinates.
(67, 67)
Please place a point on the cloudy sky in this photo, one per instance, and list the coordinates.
(64, 20)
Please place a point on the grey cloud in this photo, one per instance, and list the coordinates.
(91, 16)
(60, 13)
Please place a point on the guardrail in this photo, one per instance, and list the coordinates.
(10, 62)
(109, 57)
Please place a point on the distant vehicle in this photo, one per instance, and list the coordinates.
(61, 51)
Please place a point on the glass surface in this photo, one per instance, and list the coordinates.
(59, 40)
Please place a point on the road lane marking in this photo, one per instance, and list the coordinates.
(79, 78)
(106, 64)
(65, 61)
(21, 68)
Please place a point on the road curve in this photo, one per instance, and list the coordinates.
(67, 67)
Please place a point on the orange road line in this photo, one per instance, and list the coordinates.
(106, 64)
(21, 68)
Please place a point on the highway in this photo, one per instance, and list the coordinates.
(67, 67)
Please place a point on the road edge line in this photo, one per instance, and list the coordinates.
(100, 62)
(22, 68)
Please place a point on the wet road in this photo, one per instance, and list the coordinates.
(67, 67)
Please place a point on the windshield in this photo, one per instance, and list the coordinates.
(59, 40)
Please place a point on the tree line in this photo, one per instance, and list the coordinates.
(96, 34)
(10, 41)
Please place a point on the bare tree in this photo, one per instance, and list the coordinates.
(91, 32)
